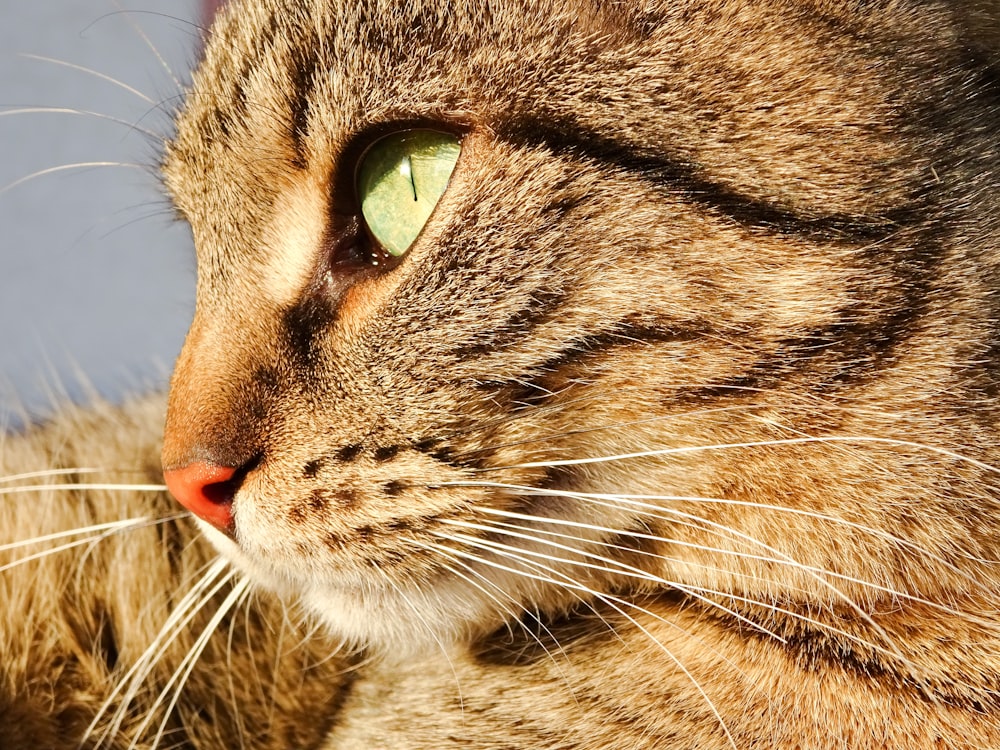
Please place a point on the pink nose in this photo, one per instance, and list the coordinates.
(206, 490)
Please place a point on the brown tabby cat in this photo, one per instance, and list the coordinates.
(600, 376)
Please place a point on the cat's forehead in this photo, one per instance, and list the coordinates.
(287, 84)
(345, 64)
(765, 95)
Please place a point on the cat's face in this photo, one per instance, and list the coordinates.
(676, 247)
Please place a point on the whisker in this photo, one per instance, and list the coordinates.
(860, 439)
(196, 30)
(46, 473)
(66, 167)
(430, 631)
(453, 554)
(91, 71)
(238, 594)
(613, 602)
(514, 616)
(142, 35)
(80, 486)
(231, 670)
(691, 588)
(632, 550)
(54, 550)
(621, 568)
(84, 113)
(819, 575)
(158, 213)
(816, 573)
(105, 531)
(516, 553)
(185, 611)
(101, 527)
(639, 500)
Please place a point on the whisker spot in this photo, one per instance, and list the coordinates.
(386, 453)
(348, 453)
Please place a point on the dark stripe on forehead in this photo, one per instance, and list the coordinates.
(233, 106)
(684, 180)
(304, 65)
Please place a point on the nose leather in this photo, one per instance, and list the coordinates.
(205, 489)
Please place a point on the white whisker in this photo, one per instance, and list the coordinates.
(77, 487)
(631, 534)
(860, 439)
(670, 515)
(101, 527)
(46, 473)
(142, 35)
(83, 113)
(91, 71)
(105, 531)
(820, 575)
(613, 602)
(430, 631)
(584, 601)
(186, 609)
(231, 674)
(66, 167)
(691, 590)
(514, 616)
(180, 676)
(619, 568)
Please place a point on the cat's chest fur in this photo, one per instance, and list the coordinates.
(597, 376)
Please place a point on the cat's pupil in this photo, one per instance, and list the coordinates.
(400, 180)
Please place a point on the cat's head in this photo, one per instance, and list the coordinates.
(699, 277)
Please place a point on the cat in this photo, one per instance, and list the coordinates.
(563, 375)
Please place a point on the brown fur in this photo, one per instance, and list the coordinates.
(73, 623)
(751, 242)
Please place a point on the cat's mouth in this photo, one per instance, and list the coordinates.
(375, 609)
(411, 582)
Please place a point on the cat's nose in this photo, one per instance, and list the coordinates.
(206, 490)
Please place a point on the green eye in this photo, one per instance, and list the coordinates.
(400, 180)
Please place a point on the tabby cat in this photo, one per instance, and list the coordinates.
(563, 375)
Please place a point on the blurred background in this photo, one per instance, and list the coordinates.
(96, 275)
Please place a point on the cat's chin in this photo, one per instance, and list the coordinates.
(384, 620)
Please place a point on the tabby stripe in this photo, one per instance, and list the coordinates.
(569, 139)
(305, 62)
(542, 308)
(528, 389)
(264, 42)
(842, 353)
(819, 651)
(623, 336)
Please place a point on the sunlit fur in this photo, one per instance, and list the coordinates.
(80, 610)
(676, 427)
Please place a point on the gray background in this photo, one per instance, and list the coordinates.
(96, 275)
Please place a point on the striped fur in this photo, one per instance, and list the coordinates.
(676, 427)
